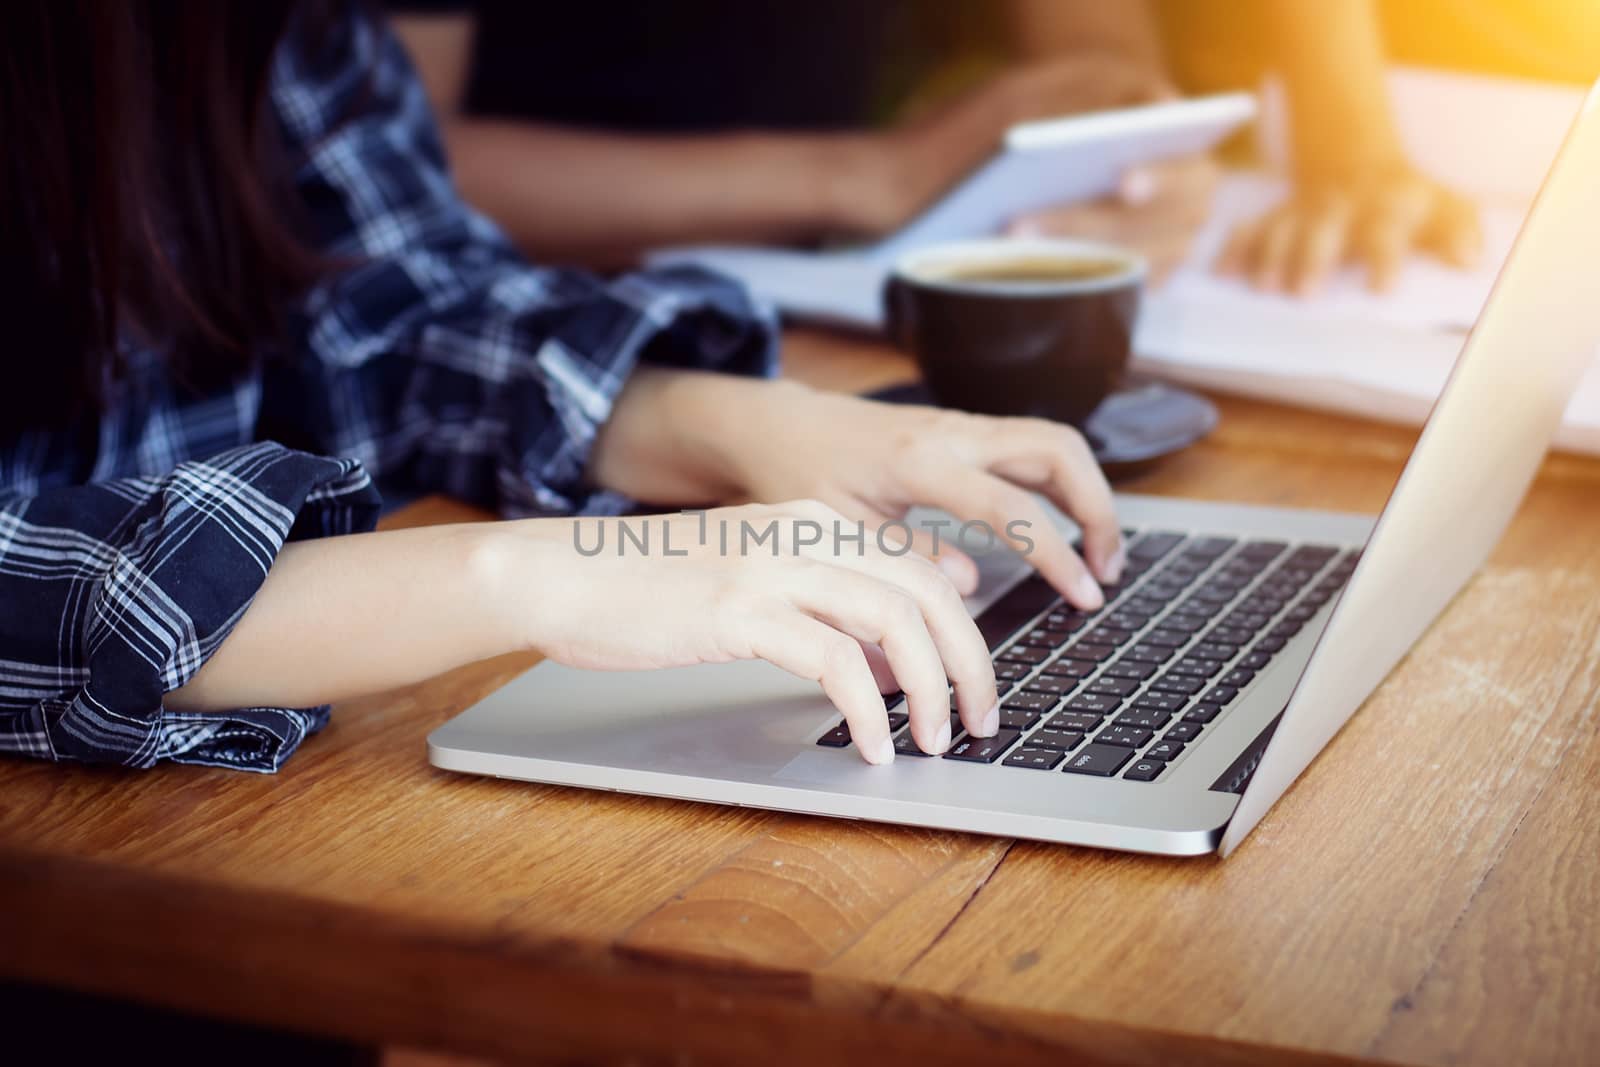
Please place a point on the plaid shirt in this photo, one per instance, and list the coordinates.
(437, 361)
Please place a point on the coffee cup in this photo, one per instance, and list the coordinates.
(1037, 327)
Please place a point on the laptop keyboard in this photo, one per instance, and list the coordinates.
(1128, 689)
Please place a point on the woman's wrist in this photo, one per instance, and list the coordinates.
(720, 425)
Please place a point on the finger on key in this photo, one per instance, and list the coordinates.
(882, 613)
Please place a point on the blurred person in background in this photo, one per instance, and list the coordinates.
(595, 132)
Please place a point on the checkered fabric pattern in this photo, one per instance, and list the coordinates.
(433, 359)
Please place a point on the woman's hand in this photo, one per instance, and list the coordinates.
(1377, 219)
(683, 437)
(1156, 211)
(761, 582)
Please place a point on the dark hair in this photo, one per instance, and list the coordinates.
(142, 195)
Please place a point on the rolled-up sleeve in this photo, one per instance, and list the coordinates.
(436, 354)
(117, 592)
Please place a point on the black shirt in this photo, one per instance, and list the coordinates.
(703, 65)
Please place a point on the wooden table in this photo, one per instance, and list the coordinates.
(1428, 893)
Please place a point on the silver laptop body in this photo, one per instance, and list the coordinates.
(748, 734)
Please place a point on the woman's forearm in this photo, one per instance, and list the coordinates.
(344, 616)
(600, 198)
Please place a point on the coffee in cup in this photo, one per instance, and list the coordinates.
(1017, 327)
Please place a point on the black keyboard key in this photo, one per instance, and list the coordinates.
(1126, 736)
(1143, 719)
(838, 737)
(1040, 759)
(897, 719)
(1255, 660)
(1073, 721)
(1166, 750)
(1111, 635)
(1262, 550)
(1222, 650)
(1102, 761)
(1229, 635)
(1167, 702)
(1164, 638)
(1202, 713)
(1133, 670)
(1010, 672)
(1182, 731)
(1195, 667)
(1301, 612)
(982, 749)
(1025, 701)
(1270, 644)
(906, 745)
(1117, 687)
(1153, 546)
(1246, 620)
(1021, 604)
(1177, 683)
(1044, 637)
(1064, 740)
(1145, 770)
(1185, 622)
(1067, 667)
(1149, 653)
(1011, 719)
(1094, 703)
(1065, 620)
(1048, 683)
(1286, 629)
(1025, 654)
(1092, 650)
(1210, 547)
(1239, 677)
(1220, 694)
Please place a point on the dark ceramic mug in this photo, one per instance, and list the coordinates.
(1017, 327)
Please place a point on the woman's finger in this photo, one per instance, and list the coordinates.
(961, 648)
(1324, 239)
(1390, 231)
(1276, 246)
(1238, 253)
(1454, 232)
(1056, 460)
(1017, 520)
(938, 543)
(878, 663)
(887, 615)
(809, 648)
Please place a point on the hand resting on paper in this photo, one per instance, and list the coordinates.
(1375, 220)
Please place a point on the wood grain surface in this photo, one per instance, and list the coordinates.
(1428, 893)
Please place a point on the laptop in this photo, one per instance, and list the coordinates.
(1236, 645)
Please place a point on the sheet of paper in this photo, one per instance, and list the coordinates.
(1384, 356)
